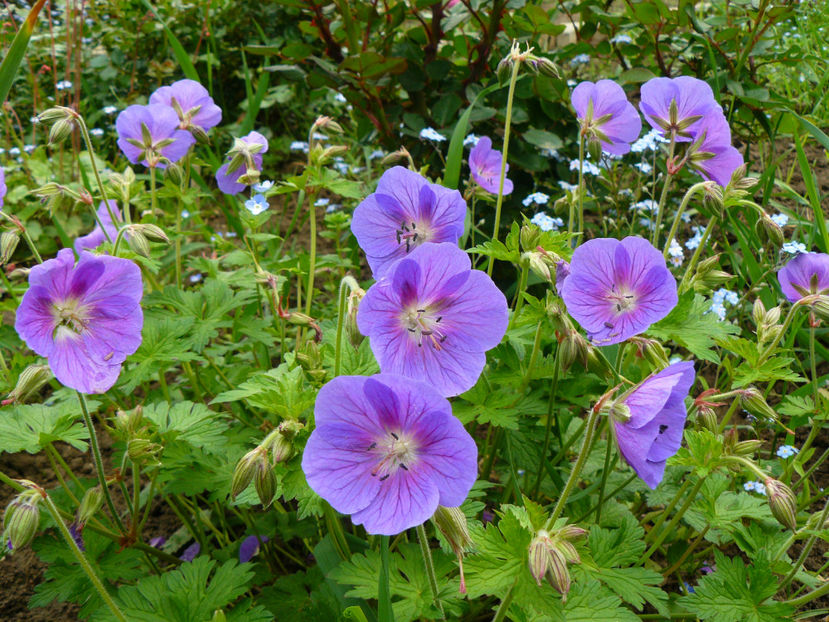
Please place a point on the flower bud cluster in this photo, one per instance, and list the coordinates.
(549, 554)
(257, 465)
(708, 276)
(767, 322)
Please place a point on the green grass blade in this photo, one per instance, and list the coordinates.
(17, 50)
(178, 50)
(812, 193)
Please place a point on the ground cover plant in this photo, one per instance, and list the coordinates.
(414, 311)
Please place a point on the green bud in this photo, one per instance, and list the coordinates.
(198, 133)
(753, 401)
(8, 244)
(152, 232)
(245, 470)
(92, 501)
(453, 525)
(28, 384)
(546, 67)
(264, 481)
(60, 131)
(572, 348)
(769, 231)
(594, 148)
(218, 616)
(782, 502)
(173, 172)
(538, 265)
(619, 411)
(571, 555)
(328, 124)
(529, 236)
(139, 243)
(758, 312)
(557, 573)
(820, 307)
(709, 419)
(504, 71)
(127, 422)
(250, 177)
(142, 450)
(280, 442)
(351, 329)
(747, 448)
(55, 114)
(48, 190)
(538, 556)
(571, 532)
(21, 520)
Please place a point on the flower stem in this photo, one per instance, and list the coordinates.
(574, 474)
(500, 200)
(87, 567)
(501, 613)
(312, 221)
(548, 424)
(335, 528)
(430, 567)
(674, 521)
(91, 151)
(152, 190)
(581, 190)
(661, 209)
(682, 207)
(99, 463)
(384, 611)
(347, 283)
(605, 472)
(689, 271)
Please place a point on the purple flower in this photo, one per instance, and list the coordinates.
(190, 552)
(250, 547)
(157, 542)
(150, 133)
(677, 105)
(606, 115)
(711, 155)
(648, 420)
(485, 164)
(96, 237)
(804, 275)
(617, 289)
(85, 318)
(404, 212)
(228, 181)
(3, 188)
(191, 103)
(432, 318)
(387, 450)
(76, 531)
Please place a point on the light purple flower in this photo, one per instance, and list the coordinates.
(190, 552)
(3, 188)
(85, 318)
(485, 163)
(148, 133)
(711, 155)
(616, 289)
(96, 237)
(191, 103)
(387, 450)
(649, 423)
(805, 274)
(432, 318)
(250, 547)
(606, 115)
(404, 212)
(229, 181)
(677, 105)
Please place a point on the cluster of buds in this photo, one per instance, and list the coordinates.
(318, 153)
(739, 186)
(135, 431)
(310, 358)
(64, 122)
(123, 182)
(534, 63)
(28, 384)
(572, 346)
(139, 235)
(21, 518)
(652, 351)
(708, 275)
(257, 465)
(451, 522)
(550, 552)
(767, 322)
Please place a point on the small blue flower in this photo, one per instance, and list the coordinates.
(621, 38)
(786, 451)
(430, 133)
(299, 145)
(781, 220)
(794, 248)
(567, 186)
(646, 205)
(580, 59)
(539, 198)
(97, 132)
(110, 110)
(185, 213)
(195, 278)
(676, 253)
(322, 202)
(547, 223)
(339, 97)
(644, 167)
(257, 204)
(63, 85)
(263, 186)
(589, 167)
(693, 242)
(377, 154)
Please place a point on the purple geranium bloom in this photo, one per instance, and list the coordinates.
(85, 318)
(485, 164)
(677, 105)
(616, 289)
(191, 103)
(606, 115)
(150, 133)
(711, 155)
(404, 212)
(190, 552)
(387, 450)
(250, 547)
(229, 181)
(432, 318)
(648, 420)
(3, 188)
(96, 237)
(807, 274)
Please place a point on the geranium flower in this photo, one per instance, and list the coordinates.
(432, 318)
(85, 318)
(485, 163)
(404, 212)
(150, 134)
(606, 115)
(804, 275)
(96, 237)
(228, 181)
(677, 105)
(711, 155)
(250, 547)
(387, 450)
(648, 421)
(616, 289)
(192, 104)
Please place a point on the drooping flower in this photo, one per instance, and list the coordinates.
(804, 275)
(711, 154)
(485, 164)
(243, 158)
(649, 419)
(85, 318)
(387, 450)
(404, 212)
(150, 134)
(192, 104)
(677, 105)
(96, 237)
(433, 317)
(606, 115)
(616, 289)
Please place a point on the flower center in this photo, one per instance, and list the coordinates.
(622, 299)
(395, 451)
(425, 323)
(70, 315)
(410, 235)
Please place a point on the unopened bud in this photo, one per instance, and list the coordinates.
(754, 403)
(820, 307)
(453, 525)
(139, 243)
(782, 502)
(245, 469)
(571, 532)
(142, 450)
(21, 520)
(546, 67)
(48, 190)
(747, 448)
(61, 130)
(652, 351)
(29, 383)
(264, 481)
(218, 616)
(538, 556)
(279, 443)
(300, 319)
(394, 157)
(152, 232)
(173, 172)
(529, 237)
(557, 573)
(351, 328)
(8, 244)
(758, 312)
(709, 419)
(92, 500)
(250, 177)
(55, 114)
(504, 70)
(327, 123)
(572, 348)
(769, 231)
(538, 265)
(128, 421)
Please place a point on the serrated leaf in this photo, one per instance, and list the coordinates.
(773, 369)
(702, 451)
(281, 390)
(31, 427)
(192, 423)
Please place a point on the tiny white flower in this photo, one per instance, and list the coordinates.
(110, 110)
(340, 98)
(299, 145)
(195, 278)
(319, 136)
(589, 167)
(322, 202)
(185, 213)
(430, 133)
(646, 205)
(567, 186)
(97, 132)
(644, 167)
(676, 253)
(332, 208)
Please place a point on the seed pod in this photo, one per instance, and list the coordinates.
(782, 502)
(92, 500)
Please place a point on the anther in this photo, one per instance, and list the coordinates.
(397, 438)
(372, 446)
(385, 477)
(404, 467)
(608, 325)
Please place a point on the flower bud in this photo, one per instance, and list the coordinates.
(29, 383)
(60, 131)
(218, 616)
(152, 232)
(572, 348)
(571, 532)
(538, 265)
(139, 243)
(173, 172)
(452, 524)
(92, 500)
(55, 114)
(758, 312)
(504, 70)
(327, 123)
(245, 469)
(142, 450)
(529, 236)
(20, 522)
(546, 67)
(753, 401)
(820, 307)
(708, 418)
(127, 422)
(557, 573)
(351, 329)
(8, 244)
(782, 503)
(747, 448)
(538, 555)
(280, 442)
(264, 481)
(769, 231)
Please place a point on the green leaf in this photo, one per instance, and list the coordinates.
(775, 368)
(735, 592)
(702, 451)
(31, 427)
(693, 327)
(17, 50)
(281, 390)
(192, 423)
